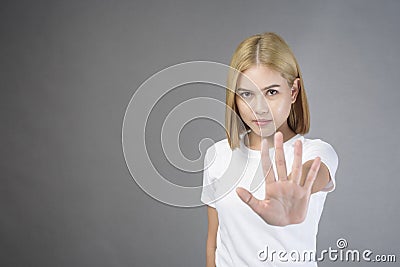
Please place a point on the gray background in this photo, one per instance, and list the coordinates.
(69, 68)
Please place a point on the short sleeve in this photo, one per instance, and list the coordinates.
(208, 191)
(319, 148)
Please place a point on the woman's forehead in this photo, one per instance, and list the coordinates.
(259, 78)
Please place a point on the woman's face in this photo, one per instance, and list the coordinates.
(264, 98)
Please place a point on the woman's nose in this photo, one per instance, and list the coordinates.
(260, 105)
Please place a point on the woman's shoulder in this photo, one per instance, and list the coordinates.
(316, 142)
(218, 157)
(220, 147)
(318, 147)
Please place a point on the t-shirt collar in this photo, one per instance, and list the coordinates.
(257, 153)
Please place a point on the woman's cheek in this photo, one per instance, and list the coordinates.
(280, 112)
(245, 111)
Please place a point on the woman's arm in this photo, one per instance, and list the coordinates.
(211, 244)
(322, 179)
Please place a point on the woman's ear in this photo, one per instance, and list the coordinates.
(294, 91)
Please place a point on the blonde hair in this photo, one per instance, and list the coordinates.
(270, 50)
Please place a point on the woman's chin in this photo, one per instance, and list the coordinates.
(264, 132)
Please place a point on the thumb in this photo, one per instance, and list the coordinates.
(244, 195)
(249, 199)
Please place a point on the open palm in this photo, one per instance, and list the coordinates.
(286, 201)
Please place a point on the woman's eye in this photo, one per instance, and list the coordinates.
(245, 94)
(272, 92)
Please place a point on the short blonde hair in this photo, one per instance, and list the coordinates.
(270, 50)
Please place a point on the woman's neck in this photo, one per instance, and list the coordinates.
(255, 140)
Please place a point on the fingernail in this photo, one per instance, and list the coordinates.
(264, 141)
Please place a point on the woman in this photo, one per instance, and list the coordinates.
(277, 222)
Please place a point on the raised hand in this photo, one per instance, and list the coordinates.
(286, 201)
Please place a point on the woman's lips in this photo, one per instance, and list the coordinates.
(262, 122)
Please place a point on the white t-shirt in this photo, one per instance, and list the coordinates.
(243, 238)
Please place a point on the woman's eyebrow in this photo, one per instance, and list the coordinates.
(266, 88)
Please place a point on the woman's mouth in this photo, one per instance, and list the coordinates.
(262, 122)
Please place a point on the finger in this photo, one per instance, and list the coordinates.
(297, 162)
(254, 203)
(266, 162)
(312, 173)
(280, 157)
